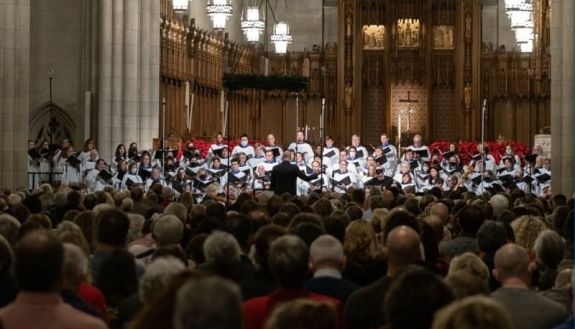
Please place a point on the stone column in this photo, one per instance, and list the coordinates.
(129, 74)
(562, 105)
(14, 90)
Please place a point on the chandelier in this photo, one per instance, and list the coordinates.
(252, 25)
(180, 6)
(219, 12)
(281, 37)
(520, 13)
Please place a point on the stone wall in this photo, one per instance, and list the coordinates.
(14, 89)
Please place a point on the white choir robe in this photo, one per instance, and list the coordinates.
(350, 167)
(254, 162)
(332, 154)
(70, 174)
(398, 177)
(304, 148)
(391, 156)
(418, 149)
(361, 152)
(135, 178)
(33, 176)
(150, 182)
(84, 156)
(86, 166)
(93, 182)
(214, 148)
(304, 188)
(281, 152)
(337, 178)
(248, 150)
(489, 163)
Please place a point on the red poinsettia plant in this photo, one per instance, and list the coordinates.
(467, 149)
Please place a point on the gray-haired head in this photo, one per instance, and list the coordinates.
(222, 248)
(549, 248)
(196, 307)
(168, 230)
(177, 209)
(157, 276)
(327, 251)
(288, 261)
(75, 270)
(499, 203)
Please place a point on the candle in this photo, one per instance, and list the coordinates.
(399, 125)
(306, 132)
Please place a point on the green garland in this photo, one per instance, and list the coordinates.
(294, 83)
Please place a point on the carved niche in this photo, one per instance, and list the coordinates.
(408, 33)
(443, 37)
(373, 37)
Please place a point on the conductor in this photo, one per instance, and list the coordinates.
(285, 175)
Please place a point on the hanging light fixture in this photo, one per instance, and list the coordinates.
(252, 25)
(520, 14)
(219, 12)
(180, 6)
(281, 37)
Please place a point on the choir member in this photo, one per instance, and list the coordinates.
(301, 146)
(244, 147)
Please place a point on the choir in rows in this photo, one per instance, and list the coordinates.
(248, 167)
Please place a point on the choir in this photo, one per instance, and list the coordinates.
(248, 167)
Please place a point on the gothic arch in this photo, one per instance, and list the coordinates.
(39, 125)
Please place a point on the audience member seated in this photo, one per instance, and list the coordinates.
(327, 260)
(156, 277)
(364, 306)
(288, 260)
(470, 219)
(262, 282)
(207, 303)
(303, 314)
(39, 269)
(414, 297)
(526, 308)
(472, 313)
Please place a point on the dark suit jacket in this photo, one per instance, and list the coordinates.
(364, 307)
(332, 287)
(284, 178)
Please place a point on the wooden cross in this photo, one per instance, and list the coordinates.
(409, 100)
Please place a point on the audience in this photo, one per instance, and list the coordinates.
(148, 259)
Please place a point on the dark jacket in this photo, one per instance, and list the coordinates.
(284, 178)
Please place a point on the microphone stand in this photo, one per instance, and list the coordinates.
(483, 110)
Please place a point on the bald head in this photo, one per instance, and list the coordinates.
(512, 262)
(440, 210)
(403, 247)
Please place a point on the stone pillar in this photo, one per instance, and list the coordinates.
(129, 74)
(562, 105)
(14, 90)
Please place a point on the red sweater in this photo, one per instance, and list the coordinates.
(257, 310)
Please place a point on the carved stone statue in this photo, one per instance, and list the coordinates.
(348, 96)
(467, 96)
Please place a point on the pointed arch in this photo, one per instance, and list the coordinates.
(62, 124)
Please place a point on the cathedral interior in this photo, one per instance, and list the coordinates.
(122, 71)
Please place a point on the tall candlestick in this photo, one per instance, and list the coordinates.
(399, 125)
(306, 132)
